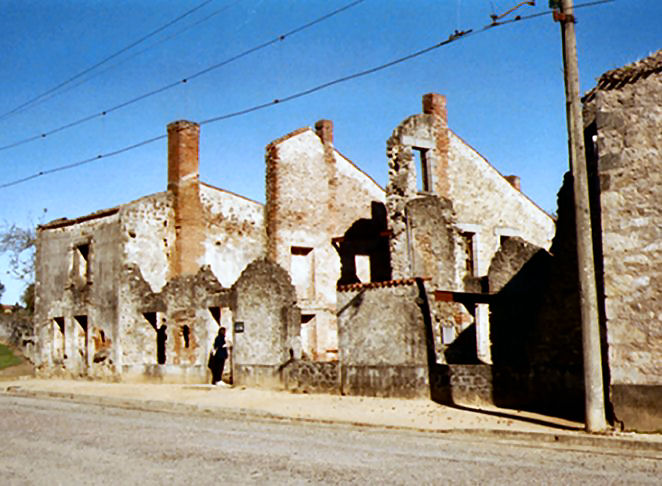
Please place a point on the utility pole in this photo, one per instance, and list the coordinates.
(593, 386)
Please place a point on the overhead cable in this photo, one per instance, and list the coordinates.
(127, 58)
(455, 36)
(37, 98)
(185, 80)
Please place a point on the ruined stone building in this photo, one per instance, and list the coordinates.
(137, 290)
(535, 318)
(333, 284)
(623, 120)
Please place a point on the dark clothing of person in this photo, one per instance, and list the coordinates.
(217, 359)
(161, 338)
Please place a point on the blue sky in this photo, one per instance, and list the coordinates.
(504, 88)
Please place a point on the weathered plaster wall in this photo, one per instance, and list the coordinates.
(426, 158)
(628, 127)
(465, 208)
(183, 306)
(264, 301)
(437, 252)
(234, 233)
(313, 195)
(148, 236)
(76, 291)
(425, 135)
(382, 342)
(483, 198)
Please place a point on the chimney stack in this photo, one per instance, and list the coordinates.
(183, 158)
(324, 130)
(184, 184)
(435, 104)
(514, 181)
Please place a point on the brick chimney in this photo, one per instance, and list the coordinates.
(514, 181)
(324, 130)
(183, 183)
(435, 104)
(183, 159)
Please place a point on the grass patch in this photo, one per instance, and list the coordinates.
(7, 357)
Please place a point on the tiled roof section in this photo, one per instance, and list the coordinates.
(619, 77)
(378, 285)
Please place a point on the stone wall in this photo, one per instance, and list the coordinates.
(482, 197)
(313, 195)
(264, 306)
(426, 158)
(624, 120)
(148, 235)
(470, 384)
(305, 376)
(536, 323)
(454, 239)
(383, 341)
(234, 234)
(77, 263)
(179, 319)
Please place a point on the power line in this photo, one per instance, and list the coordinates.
(83, 162)
(124, 60)
(185, 80)
(33, 101)
(455, 36)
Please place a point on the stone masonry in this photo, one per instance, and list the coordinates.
(623, 120)
(333, 284)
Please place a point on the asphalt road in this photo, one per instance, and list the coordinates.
(56, 442)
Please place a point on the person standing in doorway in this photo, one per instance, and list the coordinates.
(161, 338)
(217, 360)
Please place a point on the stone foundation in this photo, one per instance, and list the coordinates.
(637, 407)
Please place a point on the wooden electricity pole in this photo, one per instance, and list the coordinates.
(593, 386)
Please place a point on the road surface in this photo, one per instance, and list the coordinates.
(57, 442)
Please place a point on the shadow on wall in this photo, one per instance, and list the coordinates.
(366, 237)
(463, 349)
(536, 328)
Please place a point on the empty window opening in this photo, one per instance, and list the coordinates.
(300, 250)
(447, 334)
(362, 265)
(58, 337)
(81, 335)
(80, 264)
(216, 314)
(82, 322)
(59, 323)
(470, 263)
(301, 271)
(308, 337)
(151, 318)
(423, 182)
(102, 335)
(186, 334)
